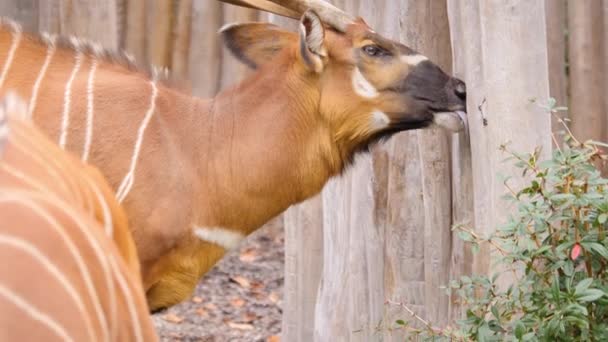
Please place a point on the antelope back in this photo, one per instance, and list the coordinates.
(69, 269)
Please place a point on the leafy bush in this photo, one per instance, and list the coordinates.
(554, 246)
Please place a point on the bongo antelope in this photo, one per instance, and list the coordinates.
(198, 175)
(69, 267)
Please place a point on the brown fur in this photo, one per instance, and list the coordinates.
(234, 161)
(35, 172)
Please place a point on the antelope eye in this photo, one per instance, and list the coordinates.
(374, 50)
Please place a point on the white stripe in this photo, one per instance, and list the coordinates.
(84, 271)
(379, 120)
(52, 269)
(128, 295)
(47, 61)
(362, 86)
(89, 128)
(67, 98)
(127, 182)
(34, 313)
(222, 237)
(11, 53)
(413, 60)
(92, 241)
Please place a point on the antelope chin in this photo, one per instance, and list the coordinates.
(452, 121)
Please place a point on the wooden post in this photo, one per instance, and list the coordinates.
(387, 222)
(24, 11)
(205, 48)
(556, 48)
(587, 88)
(160, 42)
(135, 30)
(499, 90)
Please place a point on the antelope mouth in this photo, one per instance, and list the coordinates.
(453, 121)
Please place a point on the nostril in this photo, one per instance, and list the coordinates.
(460, 89)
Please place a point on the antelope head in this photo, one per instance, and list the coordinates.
(363, 85)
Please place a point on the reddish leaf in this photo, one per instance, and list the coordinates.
(576, 251)
(273, 338)
(197, 299)
(248, 317)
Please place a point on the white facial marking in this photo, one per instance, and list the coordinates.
(362, 86)
(222, 237)
(379, 120)
(413, 60)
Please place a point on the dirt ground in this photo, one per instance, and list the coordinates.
(238, 300)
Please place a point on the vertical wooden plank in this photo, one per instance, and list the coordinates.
(48, 16)
(303, 260)
(502, 87)
(23, 11)
(556, 48)
(161, 28)
(587, 89)
(205, 48)
(351, 297)
(461, 258)
(135, 29)
(181, 45)
(84, 18)
(427, 31)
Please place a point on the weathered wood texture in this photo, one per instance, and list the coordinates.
(499, 91)
(587, 77)
(386, 224)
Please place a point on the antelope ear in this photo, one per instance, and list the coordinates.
(255, 43)
(313, 53)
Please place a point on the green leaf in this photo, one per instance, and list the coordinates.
(495, 312)
(465, 236)
(602, 218)
(591, 295)
(596, 247)
(520, 329)
(400, 322)
(582, 286)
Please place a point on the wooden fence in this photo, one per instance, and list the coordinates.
(382, 232)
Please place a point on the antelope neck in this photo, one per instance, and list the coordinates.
(257, 154)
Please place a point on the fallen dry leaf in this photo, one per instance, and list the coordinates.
(248, 317)
(237, 302)
(249, 255)
(197, 299)
(273, 338)
(240, 326)
(244, 282)
(274, 297)
(211, 306)
(202, 312)
(173, 318)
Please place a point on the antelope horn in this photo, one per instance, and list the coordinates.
(295, 8)
(265, 5)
